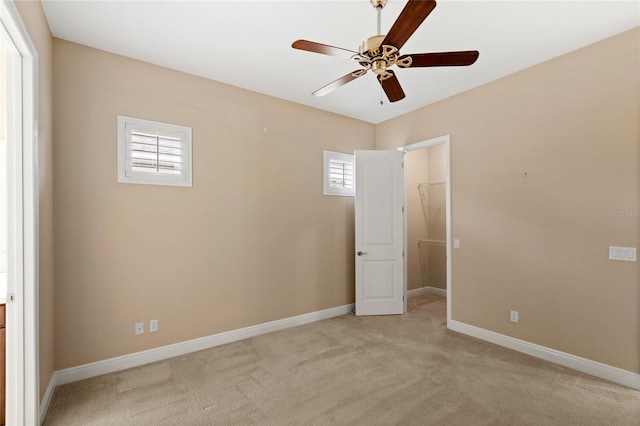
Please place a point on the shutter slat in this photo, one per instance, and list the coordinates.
(138, 146)
(154, 160)
(152, 163)
(147, 154)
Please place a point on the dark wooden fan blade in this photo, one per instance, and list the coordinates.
(413, 14)
(325, 49)
(339, 83)
(443, 59)
(391, 87)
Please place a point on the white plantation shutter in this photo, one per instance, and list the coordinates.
(339, 176)
(153, 153)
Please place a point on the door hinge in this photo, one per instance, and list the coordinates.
(403, 253)
(11, 298)
(402, 209)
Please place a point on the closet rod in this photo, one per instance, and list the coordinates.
(435, 182)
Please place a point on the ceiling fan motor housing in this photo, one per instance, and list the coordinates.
(377, 57)
(371, 46)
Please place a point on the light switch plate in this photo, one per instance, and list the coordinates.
(622, 253)
(456, 243)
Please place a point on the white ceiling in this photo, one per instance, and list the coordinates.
(248, 43)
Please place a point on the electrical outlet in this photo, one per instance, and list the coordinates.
(622, 253)
(514, 316)
(139, 328)
(153, 326)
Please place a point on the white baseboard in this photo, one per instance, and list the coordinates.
(136, 359)
(594, 368)
(437, 291)
(416, 292)
(427, 290)
(48, 395)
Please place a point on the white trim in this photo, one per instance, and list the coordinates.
(136, 359)
(442, 292)
(416, 292)
(48, 396)
(427, 290)
(594, 368)
(446, 140)
(22, 315)
(425, 144)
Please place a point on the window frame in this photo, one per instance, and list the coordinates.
(125, 175)
(345, 158)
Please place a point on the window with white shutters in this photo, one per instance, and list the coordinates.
(154, 153)
(339, 176)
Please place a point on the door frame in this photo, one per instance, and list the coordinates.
(446, 140)
(22, 162)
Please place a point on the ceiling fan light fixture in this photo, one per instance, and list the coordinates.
(379, 66)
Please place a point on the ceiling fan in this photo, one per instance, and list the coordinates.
(381, 52)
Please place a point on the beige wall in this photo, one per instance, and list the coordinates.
(426, 266)
(416, 166)
(437, 195)
(36, 24)
(436, 224)
(538, 244)
(253, 241)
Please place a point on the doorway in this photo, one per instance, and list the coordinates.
(21, 206)
(428, 220)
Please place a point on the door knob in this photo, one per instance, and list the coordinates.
(360, 253)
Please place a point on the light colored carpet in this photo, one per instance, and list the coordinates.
(349, 370)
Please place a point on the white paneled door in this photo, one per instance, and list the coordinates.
(379, 214)
(20, 100)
